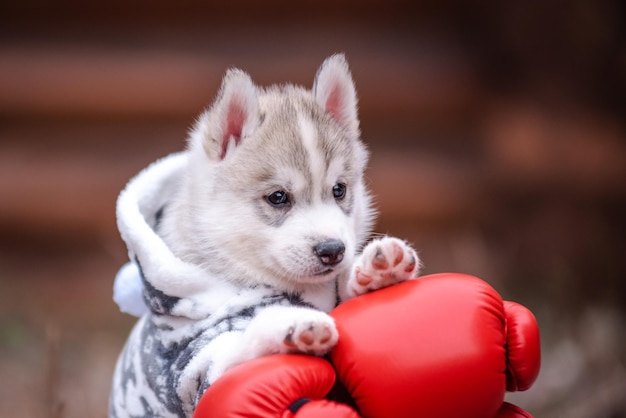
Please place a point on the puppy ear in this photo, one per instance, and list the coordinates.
(334, 91)
(233, 116)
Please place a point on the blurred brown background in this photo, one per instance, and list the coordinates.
(498, 148)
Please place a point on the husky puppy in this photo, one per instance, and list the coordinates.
(266, 217)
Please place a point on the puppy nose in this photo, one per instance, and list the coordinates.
(330, 252)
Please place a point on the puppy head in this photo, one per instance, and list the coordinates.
(277, 180)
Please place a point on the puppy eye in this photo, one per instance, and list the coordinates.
(278, 199)
(339, 191)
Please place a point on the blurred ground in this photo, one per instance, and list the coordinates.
(498, 148)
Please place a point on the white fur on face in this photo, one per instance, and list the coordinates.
(314, 220)
(308, 134)
(293, 243)
(292, 140)
(281, 252)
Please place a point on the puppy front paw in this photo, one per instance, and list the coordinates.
(312, 333)
(384, 261)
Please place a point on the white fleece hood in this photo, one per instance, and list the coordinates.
(155, 278)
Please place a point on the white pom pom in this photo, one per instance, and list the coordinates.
(128, 290)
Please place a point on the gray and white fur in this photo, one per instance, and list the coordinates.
(248, 238)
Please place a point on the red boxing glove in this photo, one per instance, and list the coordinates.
(524, 353)
(434, 347)
(511, 411)
(280, 386)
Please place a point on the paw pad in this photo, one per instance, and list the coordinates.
(311, 337)
(384, 262)
(379, 261)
